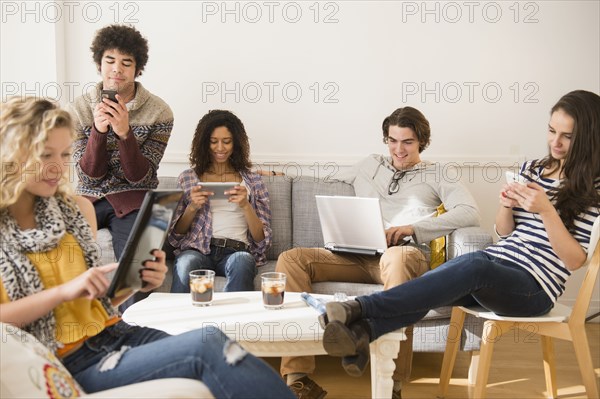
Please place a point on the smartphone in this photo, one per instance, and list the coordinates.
(218, 188)
(512, 177)
(110, 94)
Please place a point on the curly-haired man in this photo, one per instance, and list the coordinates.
(120, 143)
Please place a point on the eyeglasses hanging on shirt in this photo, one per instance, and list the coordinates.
(394, 185)
(395, 182)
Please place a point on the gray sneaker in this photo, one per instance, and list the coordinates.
(305, 388)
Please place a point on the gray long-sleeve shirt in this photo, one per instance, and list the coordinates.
(421, 190)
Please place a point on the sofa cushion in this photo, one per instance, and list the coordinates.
(431, 334)
(307, 228)
(280, 199)
(29, 370)
(466, 240)
(438, 246)
(167, 182)
(105, 246)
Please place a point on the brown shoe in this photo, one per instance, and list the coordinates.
(305, 388)
(341, 340)
(344, 312)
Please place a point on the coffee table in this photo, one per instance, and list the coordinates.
(291, 331)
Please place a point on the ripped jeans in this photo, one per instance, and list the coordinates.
(123, 354)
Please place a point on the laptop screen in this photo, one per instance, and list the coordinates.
(351, 224)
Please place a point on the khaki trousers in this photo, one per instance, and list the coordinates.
(303, 266)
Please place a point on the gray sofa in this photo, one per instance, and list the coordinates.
(295, 224)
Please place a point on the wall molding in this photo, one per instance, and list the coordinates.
(307, 160)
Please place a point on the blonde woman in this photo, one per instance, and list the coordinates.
(52, 285)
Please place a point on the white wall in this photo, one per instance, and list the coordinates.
(485, 73)
(28, 53)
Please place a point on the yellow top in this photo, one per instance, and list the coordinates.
(77, 319)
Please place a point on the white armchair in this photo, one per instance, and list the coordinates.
(29, 370)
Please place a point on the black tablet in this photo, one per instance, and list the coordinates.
(148, 233)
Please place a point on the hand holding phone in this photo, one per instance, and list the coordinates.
(110, 94)
(507, 199)
(113, 113)
(512, 177)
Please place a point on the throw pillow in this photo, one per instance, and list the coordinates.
(29, 370)
(438, 246)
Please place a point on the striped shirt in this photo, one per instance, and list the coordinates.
(528, 245)
(199, 235)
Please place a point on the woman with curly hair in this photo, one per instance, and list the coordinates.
(229, 236)
(545, 228)
(51, 283)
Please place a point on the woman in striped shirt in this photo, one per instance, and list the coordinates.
(544, 226)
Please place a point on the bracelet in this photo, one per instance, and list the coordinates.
(273, 173)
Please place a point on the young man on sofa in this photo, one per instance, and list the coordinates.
(410, 191)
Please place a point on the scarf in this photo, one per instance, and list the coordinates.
(54, 218)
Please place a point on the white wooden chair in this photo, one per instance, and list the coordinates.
(561, 322)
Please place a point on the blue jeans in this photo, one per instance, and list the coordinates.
(148, 354)
(119, 227)
(474, 278)
(238, 267)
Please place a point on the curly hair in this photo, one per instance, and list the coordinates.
(200, 157)
(24, 126)
(577, 191)
(126, 39)
(411, 118)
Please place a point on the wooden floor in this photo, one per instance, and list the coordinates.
(516, 372)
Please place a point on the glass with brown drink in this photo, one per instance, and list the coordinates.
(201, 286)
(273, 290)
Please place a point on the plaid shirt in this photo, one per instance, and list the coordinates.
(200, 233)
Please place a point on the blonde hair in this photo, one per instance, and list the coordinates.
(24, 126)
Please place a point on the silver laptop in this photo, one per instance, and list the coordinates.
(352, 224)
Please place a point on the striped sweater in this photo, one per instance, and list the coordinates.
(528, 245)
(120, 170)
